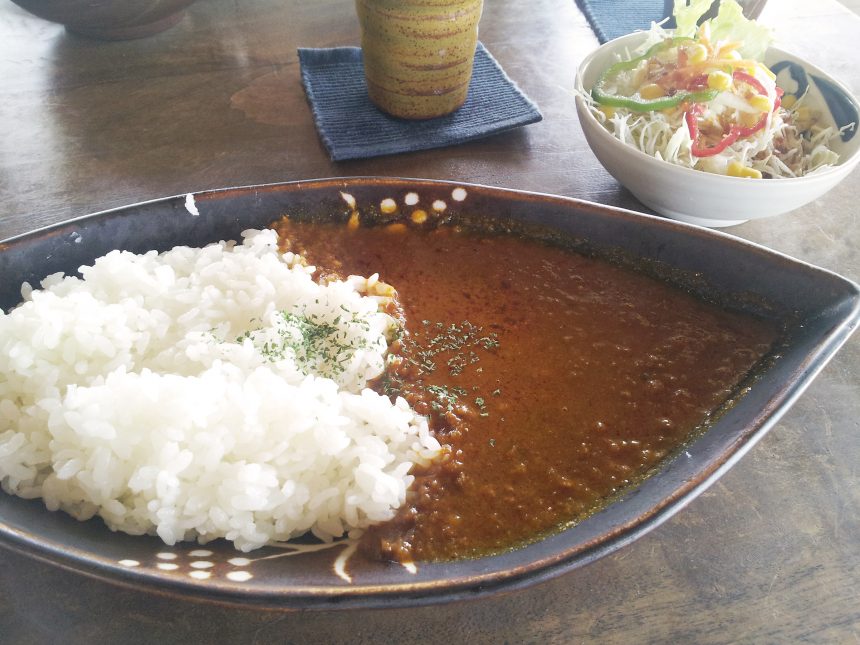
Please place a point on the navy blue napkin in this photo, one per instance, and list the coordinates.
(351, 127)
(610, 19)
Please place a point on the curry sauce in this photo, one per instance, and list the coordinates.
(553, 379)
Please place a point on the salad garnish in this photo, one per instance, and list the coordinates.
(701, 97)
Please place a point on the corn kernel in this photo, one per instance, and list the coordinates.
(419, 216)
(651, 91)
(803, 118)
(698, 53)
(737, 169)
(397, 227)
(719, 80)
(608, 111)
(788, 101)
(761, 103)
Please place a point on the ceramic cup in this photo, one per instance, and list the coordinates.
(418, 54)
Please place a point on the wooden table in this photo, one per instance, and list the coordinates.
(770, 554)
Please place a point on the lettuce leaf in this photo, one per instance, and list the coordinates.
(729, 24)
(687, 16)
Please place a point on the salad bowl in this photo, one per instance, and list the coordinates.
(713, 200)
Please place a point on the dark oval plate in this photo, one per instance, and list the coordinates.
(827, 305)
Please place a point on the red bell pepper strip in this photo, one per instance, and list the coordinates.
(693, 126)
(749, 79)
(745, 132)
(778, 100)
(735, 132)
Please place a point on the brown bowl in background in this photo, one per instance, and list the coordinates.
(109, 19)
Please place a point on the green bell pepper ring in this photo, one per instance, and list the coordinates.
(637, 103)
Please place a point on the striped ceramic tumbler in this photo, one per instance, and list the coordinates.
(418, 54)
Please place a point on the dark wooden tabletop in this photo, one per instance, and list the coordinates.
(770, 554)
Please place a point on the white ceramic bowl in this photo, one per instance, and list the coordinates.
(714, 200)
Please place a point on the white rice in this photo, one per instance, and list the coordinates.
(181, 394)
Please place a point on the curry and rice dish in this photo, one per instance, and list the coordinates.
(473, 392)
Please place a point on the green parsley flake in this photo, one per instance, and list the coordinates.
(458, 341)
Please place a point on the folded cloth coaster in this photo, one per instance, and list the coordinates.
(610, 19)
(351, 127)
